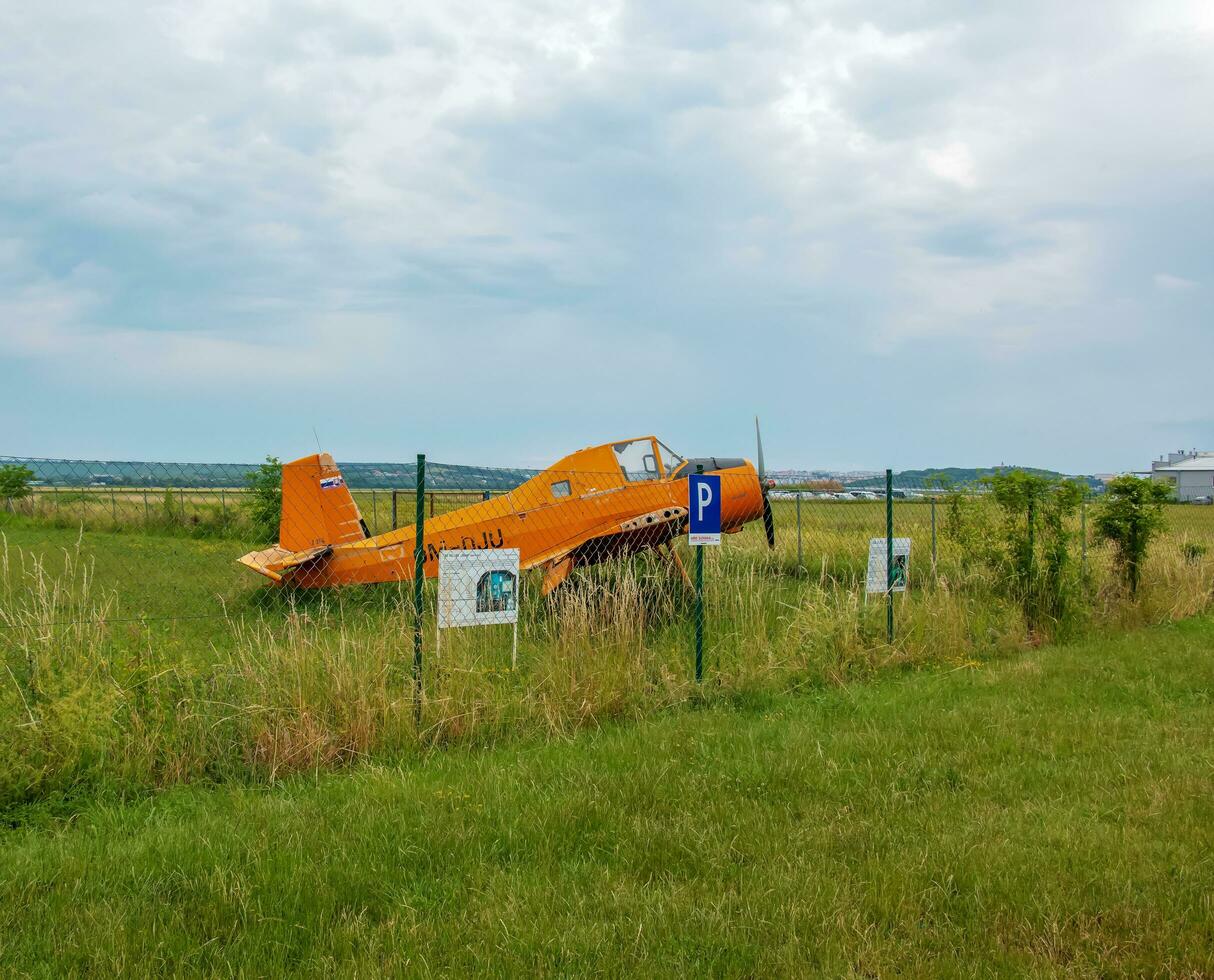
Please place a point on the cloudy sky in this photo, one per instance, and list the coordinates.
(904, 232)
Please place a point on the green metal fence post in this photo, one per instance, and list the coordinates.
(374, 514)
(933, 537)
(419, 582)
(1083, 537)
(699, 612)
(1032, 546)
(889, 555)
(800, 563)
(394, 510)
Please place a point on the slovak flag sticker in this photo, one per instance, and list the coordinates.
(332, 483)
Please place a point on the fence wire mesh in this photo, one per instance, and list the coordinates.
(265, 616)
(156, 534)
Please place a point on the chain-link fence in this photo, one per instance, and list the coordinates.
(314, 524)
(484, 599)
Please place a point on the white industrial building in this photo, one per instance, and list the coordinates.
(1191, 474)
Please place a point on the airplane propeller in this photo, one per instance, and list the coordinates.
(769, 522)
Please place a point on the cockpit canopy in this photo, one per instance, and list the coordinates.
(646, 459)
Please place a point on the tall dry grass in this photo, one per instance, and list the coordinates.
(55, 690)
(92, 703)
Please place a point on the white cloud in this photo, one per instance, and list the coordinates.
(1172, 284)
(952, 163)
(1005, 306)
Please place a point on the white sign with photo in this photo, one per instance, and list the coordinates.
(877, 548)
(478, 588)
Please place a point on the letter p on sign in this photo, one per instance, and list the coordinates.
(704, 518)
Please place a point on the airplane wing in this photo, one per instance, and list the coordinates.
(606, 540)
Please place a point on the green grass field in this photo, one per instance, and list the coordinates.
(210, 511)
(138, 658)
(1051, 814)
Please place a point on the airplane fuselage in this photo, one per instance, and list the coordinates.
(587, 507)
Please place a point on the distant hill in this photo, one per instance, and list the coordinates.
(439, 476)
(960, 476)
(360, 476)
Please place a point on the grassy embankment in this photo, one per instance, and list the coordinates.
(1051, 814)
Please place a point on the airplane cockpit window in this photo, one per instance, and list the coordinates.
(637, 459)
(670, 459)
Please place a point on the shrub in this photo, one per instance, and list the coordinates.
(265, 501)
(1129, 516)
(964, 524)
(169, 508)
(1035, 559)
(15, 482)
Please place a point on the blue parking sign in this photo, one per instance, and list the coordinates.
(704, 503)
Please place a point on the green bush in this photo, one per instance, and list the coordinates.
(1129, 516)
(15, 482)
(265, 502)
(1035, 560)
(169, 508)
(965, 524)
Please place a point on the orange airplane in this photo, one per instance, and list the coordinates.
(598, 503)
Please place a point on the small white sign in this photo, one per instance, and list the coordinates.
(877, 548)
(478, 588)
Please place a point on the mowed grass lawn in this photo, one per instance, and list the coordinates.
(1049, 814)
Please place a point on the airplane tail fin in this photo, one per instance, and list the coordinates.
(318, 509)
